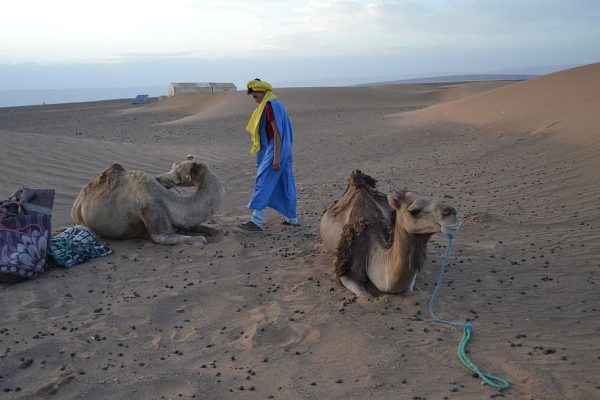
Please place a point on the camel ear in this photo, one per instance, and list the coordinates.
(189, 157)
(395, 200)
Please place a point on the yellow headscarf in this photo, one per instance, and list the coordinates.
(253, 126)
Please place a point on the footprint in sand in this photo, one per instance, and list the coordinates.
(268, 326)
(53, 387)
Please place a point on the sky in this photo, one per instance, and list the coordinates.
(119, 43)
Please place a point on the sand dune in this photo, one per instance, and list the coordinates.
(203, 106)
(564, 101)
(261, 316)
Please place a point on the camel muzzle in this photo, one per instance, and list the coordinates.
(447, 211)
(451, 229)
(166, 181)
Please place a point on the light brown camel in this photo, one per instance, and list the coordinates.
(380, 241)
(123, 204)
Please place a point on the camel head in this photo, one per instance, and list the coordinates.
(184, 173)
(418, 214)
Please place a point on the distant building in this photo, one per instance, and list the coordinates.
(223, 87)
(176, 88)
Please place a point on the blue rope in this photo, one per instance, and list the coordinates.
(488, 379)
(437, 289)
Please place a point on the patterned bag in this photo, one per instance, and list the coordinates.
(75, 246)
(25, 220)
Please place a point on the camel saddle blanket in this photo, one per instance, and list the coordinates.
(75, 246)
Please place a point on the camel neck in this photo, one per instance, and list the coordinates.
(409, 249)
(210, 191)
(211, 184)
(201, 204)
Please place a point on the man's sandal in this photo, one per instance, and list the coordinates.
(250, 227)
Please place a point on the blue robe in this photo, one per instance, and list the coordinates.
(275, 189)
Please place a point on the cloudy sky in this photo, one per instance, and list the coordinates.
(89, 43)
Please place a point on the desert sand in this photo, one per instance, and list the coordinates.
(260, 315)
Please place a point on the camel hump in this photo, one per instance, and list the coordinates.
(114, 168)
(112, 171)
(109, 175)
(358, 179)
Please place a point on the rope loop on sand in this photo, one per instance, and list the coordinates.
(486, 378)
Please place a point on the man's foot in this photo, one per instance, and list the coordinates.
(250, 227)
(287, 222)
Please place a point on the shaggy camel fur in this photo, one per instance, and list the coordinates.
(380, 241)
(123, 204)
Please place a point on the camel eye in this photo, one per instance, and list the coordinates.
(414, 211)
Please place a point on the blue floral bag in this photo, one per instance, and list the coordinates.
(25, 221)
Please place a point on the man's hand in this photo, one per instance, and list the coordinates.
(275, 165)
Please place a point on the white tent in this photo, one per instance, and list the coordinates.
(223, 87)
(176, 88)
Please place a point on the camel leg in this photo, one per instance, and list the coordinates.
(174, 238)
(213, 235)
(161, 231)
(412, 284)
(355, 287)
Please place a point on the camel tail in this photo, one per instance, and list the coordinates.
(76, 211)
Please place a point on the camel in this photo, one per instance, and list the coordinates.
(380, 241)
(121, 204)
